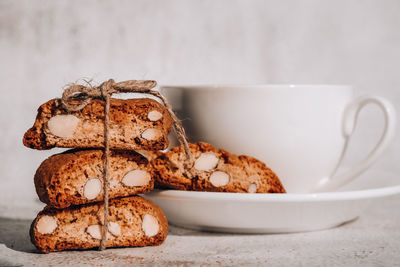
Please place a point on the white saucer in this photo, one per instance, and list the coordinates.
(274, 213)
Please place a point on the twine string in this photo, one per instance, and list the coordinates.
(77, 96)
(106, 175)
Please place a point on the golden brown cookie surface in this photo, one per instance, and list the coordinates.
(76, 177)
(133, 221)
(141, 123)
(215, 170)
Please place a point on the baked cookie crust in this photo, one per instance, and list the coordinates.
(141, 123)
(133, 221)
(75, 177)
(215, 170)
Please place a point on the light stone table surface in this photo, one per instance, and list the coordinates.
(371, 240)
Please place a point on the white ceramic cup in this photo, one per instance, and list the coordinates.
(300, 131)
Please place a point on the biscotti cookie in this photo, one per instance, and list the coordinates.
(134, 124)
(215, 170)
(133, 221)
(76, 177)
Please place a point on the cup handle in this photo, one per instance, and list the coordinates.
(349, 124)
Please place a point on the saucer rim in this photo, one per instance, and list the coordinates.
(276, 197)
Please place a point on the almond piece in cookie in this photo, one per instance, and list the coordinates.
(136, 178)
(46, 225)
(206, 162)
(219, 178)
(150, 225)
(63, 125)
(154, 115)
(92, 188)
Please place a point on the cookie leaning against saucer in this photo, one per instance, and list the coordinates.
(133, 221)
(215, 170)
(76, 177)
(134, 124)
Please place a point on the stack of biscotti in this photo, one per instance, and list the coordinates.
(71, 183)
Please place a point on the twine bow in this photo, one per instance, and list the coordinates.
(76, 97)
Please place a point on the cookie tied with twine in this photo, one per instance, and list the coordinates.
(77, 96)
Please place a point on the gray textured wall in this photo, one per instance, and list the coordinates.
(46, 44)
